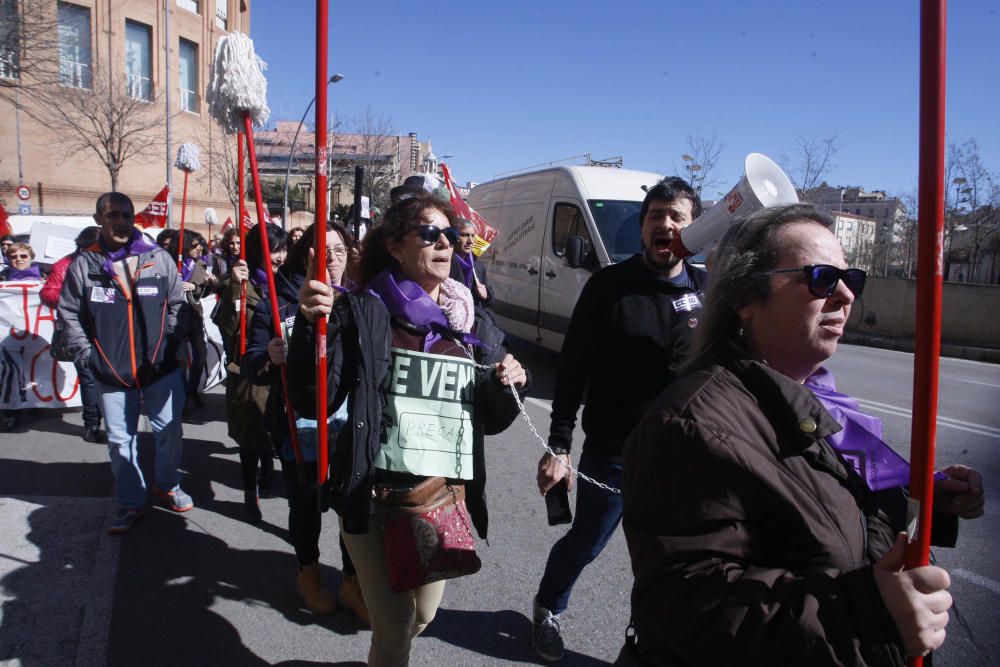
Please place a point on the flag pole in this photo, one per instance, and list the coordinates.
(240, 217)
(929, 282)
(319, 257)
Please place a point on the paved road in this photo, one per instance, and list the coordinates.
(208, 588)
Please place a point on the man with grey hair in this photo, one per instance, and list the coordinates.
(464, 268)
(120, 305)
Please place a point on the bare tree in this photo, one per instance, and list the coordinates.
(112, 121)
(220, 149)
(701, 159)
(375, 151)
(813, 159)
(973, 221)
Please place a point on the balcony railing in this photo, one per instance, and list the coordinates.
(139, 87)
(73, 74)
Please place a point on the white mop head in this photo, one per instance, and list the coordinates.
(187, 157)
(211, 217)
(238, 84)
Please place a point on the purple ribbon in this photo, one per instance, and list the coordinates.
(187, 268)
(860, 442)
(33, 272)
(408, 302)
(259, 278)
(468, 271)
(136, 245)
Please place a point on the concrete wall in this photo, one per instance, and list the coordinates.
(970, 314)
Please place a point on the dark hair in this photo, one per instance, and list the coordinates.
(112, 198)
(402, 218)
(671, 189)
(87, 237)
(168, 236)
(298, 256)
(746, 252)
(228, 235)
(277, 240)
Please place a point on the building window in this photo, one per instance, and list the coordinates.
(188, 75)
(10, 39)
(74, 46)
(190, 5)
(139, 60)
(222, 14)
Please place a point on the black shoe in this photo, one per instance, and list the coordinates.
(251, 506)
(95, 434)
(8, 423)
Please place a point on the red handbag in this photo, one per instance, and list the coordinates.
(427, 534)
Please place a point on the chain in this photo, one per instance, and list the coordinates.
(534, 431)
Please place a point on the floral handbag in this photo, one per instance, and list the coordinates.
(427, 533)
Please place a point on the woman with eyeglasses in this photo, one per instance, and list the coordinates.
(21, 263)
(426, 382)
(265, 353)
(762, 509)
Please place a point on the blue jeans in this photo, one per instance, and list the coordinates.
(164, 402)
(88, 395)
(598, 513)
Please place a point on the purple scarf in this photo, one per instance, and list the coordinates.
(33, 272)
(408, 302)
(860, 443)
(187, 269)
(136, 245)
(259, 278)
(468, 270)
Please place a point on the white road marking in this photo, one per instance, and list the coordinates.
(985, 384)
(957, 424)
(985, 582)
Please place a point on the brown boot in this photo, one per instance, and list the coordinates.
(350, 597)
(310, 587)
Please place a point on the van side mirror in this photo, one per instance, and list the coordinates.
(574, 251)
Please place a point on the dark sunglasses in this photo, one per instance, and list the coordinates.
(13, 256)
(431, 234)
(823, 278)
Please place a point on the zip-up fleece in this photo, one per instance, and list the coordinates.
(126, 332)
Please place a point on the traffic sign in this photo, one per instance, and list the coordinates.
(23, 192)
(25, 208)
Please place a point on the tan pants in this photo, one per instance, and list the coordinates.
(396, 617)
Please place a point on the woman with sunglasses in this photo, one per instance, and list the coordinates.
(21, 263)
(762, 509)
(414, 359)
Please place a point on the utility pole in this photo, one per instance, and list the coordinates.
(167, 86)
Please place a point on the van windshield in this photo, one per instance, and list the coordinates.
(618, 225)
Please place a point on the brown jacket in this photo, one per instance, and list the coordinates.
(751, 541)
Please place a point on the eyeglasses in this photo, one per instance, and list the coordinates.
(340, 252)
(13, 256)
(431, 234)
(823, 278)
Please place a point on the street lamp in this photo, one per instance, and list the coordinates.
(291, 153)
(692, 169)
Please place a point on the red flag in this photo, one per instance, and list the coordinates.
(248, 222)
(227, 224)
(4, 223)
(485, 233)
(154, 215)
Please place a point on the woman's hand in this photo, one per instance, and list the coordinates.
(316, 297)
(277, 351)
(961, 493)
(550, 471)
(187, 287)
(511, 371)
(918, 600)
(240, 271)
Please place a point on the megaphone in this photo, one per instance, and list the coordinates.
(763, 184)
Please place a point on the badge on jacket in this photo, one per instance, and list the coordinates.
(147, 290)
(102, 294)
(686, 303)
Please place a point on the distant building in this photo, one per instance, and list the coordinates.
(857, 237)
(96, 45)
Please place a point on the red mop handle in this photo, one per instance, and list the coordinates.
(180, 236)
(241, 187)
(319, 259)
(929, 269)
(265, 248)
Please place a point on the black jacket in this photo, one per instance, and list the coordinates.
(359, 336)
(628, 336)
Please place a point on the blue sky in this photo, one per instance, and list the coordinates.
(505, 85)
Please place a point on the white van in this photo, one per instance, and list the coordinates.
(556, 227)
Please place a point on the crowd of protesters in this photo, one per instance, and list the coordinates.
(752, 529)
